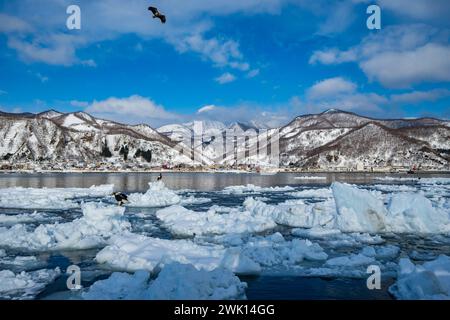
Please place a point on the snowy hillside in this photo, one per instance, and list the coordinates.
(76, 139)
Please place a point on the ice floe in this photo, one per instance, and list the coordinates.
(357, 209)
(21, 262)
(294, 213)
(157, 195)
(194, 200)
(312, 193)
(274, 250)
(132, 252)
(412, 212)
(360, 210)
(49, 198)
(250, 188)
(25, 285)
(182, 221)
(11, 219)
(430, 280)
(98, 223)
(175, 282)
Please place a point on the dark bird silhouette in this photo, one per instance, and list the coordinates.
(121, 198)
(157, 14)
(159, 177)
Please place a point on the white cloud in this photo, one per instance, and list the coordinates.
(221, 53)
(429, 63)
(330, 88)
(253, 73)
(225, 78)
(134, 109)
(422, 10)
(206, 109)
(10, 24)
(420, 96)
(2, 92)
(397, 56)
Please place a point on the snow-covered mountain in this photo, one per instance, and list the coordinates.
(330, 140)
(80, 138)
(338, 139)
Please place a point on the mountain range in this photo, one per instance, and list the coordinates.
(332, 140)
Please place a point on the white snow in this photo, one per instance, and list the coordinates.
(10, 219)
(315, 232)
(49, 198)
(22, 262)
(293, 213)
(353, 260)
(250, 188)
(158, 195)
(132, 252)
(98, 223)
(274, 250)
(25, 285)
(361, 210)
(430, 280)
(194, 200)
(182, 221)
(412, 212)
(175, 282)
(312, 193)
(358, 210)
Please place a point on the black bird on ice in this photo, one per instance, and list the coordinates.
(157, 14)
(121, 198)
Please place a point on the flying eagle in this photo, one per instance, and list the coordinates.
(157, 14)
(121, 198)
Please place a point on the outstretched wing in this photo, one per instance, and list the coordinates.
(163, 18)
(153, 10)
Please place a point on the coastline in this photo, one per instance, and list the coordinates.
(227, 171)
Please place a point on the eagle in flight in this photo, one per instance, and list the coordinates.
(157, 14)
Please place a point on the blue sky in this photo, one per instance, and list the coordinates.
(265, 61)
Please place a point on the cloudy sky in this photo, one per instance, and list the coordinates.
(248, 60)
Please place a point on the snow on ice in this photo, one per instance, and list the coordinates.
(250, 188)
(182, 221)
(98, 223)
(158, 195)
(132, 252)
(175, 282)
(49, 198)
(25, 285)
(430, 280)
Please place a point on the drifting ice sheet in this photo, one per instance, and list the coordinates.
(158, 195)
(182, 221)
(428, 281)
(25, 285)
(49, 198)
(132, 252)
(174, 282)
(250, 188)
(98, 223)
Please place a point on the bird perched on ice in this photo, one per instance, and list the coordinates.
(121, 198)
(157, 14)
(159, 177)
